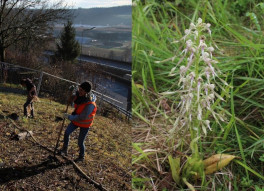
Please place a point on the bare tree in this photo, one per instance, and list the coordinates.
(28, 21)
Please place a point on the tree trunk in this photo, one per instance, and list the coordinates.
(2, 53)
(3, 66)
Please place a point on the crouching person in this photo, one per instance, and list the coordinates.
(82, 117)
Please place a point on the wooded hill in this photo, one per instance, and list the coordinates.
(120, 15)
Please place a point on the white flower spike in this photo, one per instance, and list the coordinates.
(197, 90)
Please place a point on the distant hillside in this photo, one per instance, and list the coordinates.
(104, 16)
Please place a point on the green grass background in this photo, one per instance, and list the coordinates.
(238, 37)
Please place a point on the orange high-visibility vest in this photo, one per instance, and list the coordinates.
(89, 120)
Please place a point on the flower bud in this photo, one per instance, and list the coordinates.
(207, 123)
(196, 33)
(210, 49)
(211, 96)
(192, 26)
(182, 68)
(205, 55)
(211, 86)
(189, 43)
(199, 21)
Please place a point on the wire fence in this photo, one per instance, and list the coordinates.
(57, 88)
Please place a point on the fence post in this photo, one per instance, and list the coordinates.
(39, 83)
(2, 72)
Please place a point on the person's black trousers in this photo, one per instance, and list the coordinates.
(29, 102)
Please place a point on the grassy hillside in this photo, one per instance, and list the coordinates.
(26, 166)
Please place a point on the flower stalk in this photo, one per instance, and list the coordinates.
(197, 91)
(196, 81)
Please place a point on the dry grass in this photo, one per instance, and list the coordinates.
(108, 150)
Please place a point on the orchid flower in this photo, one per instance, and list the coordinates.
(198, 93)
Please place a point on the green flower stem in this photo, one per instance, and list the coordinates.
(196, 121)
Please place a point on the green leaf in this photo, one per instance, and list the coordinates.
(261, 6)
(261, 158)
(143, 154)
(175, 168)
(254, 19)
(250, 169)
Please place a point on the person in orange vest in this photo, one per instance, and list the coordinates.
(31, 94)
(82, 116)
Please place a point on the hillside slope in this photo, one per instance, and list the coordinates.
(104, 16)
(25, 165)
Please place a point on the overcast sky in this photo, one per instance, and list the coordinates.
(96, 3)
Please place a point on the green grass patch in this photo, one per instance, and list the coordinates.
(238, 42)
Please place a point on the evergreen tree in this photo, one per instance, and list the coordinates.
(68, 49)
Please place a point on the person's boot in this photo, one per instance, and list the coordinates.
(63, 151)
(79, 159)
(32, 114)
(25, 113)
